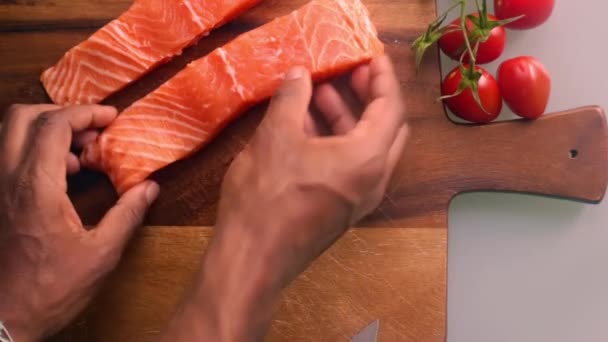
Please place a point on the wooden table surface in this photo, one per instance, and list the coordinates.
(394, 269)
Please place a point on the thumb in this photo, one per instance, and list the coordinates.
(289, 105)
(117, 227)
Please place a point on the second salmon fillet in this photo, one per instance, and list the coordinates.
(328, 37)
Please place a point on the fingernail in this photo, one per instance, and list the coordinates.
(152, 192)
(295, 73)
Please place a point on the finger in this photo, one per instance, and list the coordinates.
(85, 117)
(310, 126)
(84, 138)
(360, 82)
(118, 225)
(334, 109)
(15, 130)
(289, 105)
(394, 156)
(395, 153)
(52, 136)
(382, 78)
(73, 164)
(384, 115)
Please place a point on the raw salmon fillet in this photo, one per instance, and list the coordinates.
(326, 36)
(147, 34)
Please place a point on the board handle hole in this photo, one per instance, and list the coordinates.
(573, 154)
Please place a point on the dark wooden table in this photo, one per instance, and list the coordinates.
(394, 269)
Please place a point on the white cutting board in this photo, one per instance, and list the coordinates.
(531, 269)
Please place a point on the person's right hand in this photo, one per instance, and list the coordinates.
(291, 193)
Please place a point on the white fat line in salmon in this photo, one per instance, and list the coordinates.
(159, 131)
(148, 142)
(145, 117)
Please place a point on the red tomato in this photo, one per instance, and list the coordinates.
(525, 85)
(453, 44)
(464, 105)
(535, 12)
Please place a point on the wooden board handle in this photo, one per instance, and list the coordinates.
(563, 154)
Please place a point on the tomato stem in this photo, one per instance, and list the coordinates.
(465, 31)
(479, 7)
(433, 34)
(456, 4)
(482, 27)
(475, 50)
(506, 21)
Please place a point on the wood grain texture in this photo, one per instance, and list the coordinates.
(19, 15)
(395, 272)
(368, 274)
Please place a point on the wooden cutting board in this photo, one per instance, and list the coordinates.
(395, 272)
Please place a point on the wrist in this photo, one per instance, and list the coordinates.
(232, 299)
(19, 313)
(244, 288)
(18, 330)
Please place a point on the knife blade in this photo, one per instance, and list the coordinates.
(369, 334)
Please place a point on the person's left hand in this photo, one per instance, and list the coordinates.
(50, 266)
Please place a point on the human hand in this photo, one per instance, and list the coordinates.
(50, 266)
(291, 193)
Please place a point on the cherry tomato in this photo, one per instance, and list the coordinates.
(525, 85)
(453, 44)
(464, 105)
(535, 12)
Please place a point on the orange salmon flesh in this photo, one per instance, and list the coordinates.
(328, 37)
(149, 33)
